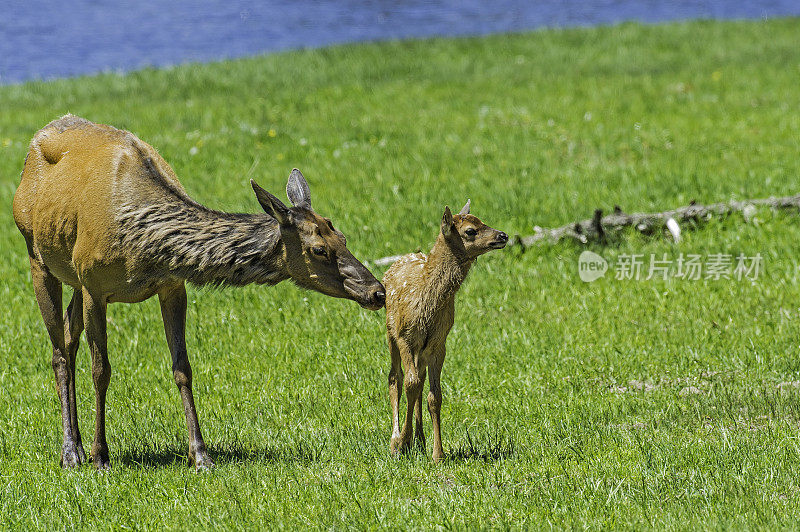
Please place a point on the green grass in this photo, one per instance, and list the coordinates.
(544, 424)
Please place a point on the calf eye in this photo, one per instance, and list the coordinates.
(319, 251)
(470, 232)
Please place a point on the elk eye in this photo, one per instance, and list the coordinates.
(319, 251)
(470, 232)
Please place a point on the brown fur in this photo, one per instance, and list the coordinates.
(102, 212)
(420, 310)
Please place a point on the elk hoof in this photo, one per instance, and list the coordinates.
(81, 453)
(100, 459)
(204, 465)
(70, 459)
(202, 462)
(101, 463)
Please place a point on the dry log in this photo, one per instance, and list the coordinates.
(598, 227)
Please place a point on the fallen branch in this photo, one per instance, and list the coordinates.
(597, 228)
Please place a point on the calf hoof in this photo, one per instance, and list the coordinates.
(437, 456)
(400, 446)
(70, 459)
(396, 445)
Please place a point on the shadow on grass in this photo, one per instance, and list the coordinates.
(487, 448)
(225, 454)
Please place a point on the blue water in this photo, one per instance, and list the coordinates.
(43, 39)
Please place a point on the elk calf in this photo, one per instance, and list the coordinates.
(420, 295)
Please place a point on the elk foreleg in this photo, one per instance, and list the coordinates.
(435, 403)
(173, 312)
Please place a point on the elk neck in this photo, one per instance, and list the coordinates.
(179, 236)
(446, 269)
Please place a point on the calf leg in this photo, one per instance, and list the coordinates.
(419, 433)
(73, 327)
(94, 318)
(173, 312)
(435, 405)
(395, 377)
(412, 386)
(48, 295)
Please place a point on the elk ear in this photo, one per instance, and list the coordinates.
(447, 221)
(465, 208)
(297, 190)
(271, 205)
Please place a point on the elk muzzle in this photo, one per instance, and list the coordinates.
(360, 285)
(370, 294)
(500, 241)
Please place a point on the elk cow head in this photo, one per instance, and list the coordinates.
(316, 252)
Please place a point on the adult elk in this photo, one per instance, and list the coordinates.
(102, 212)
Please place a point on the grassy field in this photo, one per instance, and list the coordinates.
(667, 404)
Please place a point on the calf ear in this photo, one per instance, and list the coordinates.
(297, 190)
(465, 208)
(447, 222)
(271, 205)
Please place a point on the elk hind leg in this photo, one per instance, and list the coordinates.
(94, 319)
(395, 391)
(412, 384)
(48, 295)
(73, 327)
